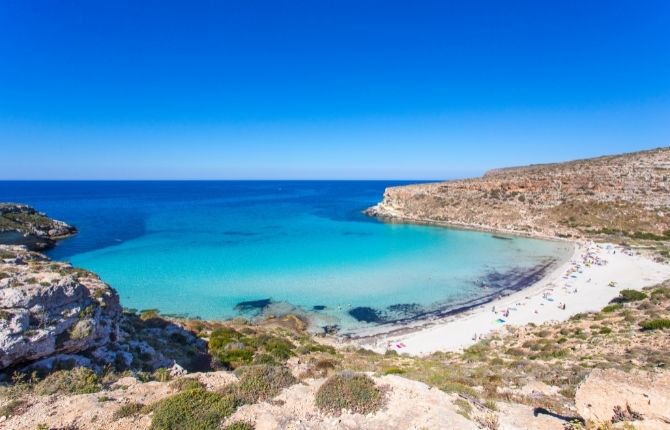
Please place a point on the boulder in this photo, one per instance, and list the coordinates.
(613, 396)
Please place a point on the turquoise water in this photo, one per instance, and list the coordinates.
(202, 248)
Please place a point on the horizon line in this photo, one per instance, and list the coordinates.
(220, 180)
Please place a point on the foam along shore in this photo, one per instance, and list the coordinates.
(593, 276)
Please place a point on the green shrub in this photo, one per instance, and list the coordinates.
(661, 293)
(233, 349)
(6, 254)
(230, 348)
(239, 425)
(184, 384)
(626, 296)
(611, 308)
(221, 337)
(262, 382)
(605, 330)
(478, 351)
(311, 346)
(464, 407)
(656, 324)
(148, 314)
(355, 392)
(490, 404)
(81, 330)
(649, 236)
(162, 375)
(457, 387)
(516, 352)
(233, 358)
(128, 410)
(393, 371)
(195, 409)
(79, 380)
(11, 408)
(277, 347)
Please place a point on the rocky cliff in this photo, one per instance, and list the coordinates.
(627, 194)
(49, 308)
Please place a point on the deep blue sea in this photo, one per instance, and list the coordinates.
(219, 249)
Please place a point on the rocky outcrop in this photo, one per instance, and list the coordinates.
(23, 225)
(49, 308)
(627, 193)
(612, 395)
(53, 315)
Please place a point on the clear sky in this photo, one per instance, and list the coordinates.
(326, 89)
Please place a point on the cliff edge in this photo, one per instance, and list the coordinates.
(626, 194)
(23, 225)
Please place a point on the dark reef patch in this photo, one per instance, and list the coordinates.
(366, 314)
(331, 329)
(253, 305)
(406, 309)
(318, 307)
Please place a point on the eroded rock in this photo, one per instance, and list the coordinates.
(614, 395)
(51, 308)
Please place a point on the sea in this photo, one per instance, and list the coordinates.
(225, 249)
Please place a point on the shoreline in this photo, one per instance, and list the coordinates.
(527, 280)
(581, 282)
(386, 215)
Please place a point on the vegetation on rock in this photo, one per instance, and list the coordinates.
(80, 380)
(195, 409)
(349, 391)
(262, 382)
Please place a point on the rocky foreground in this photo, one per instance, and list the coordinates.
(600, 370)
(624, 195)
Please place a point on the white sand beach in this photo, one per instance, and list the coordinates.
(593, 276)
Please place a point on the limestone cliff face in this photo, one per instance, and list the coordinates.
(629, 192)
(49, 308)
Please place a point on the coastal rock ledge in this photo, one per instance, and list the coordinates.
(23, 225)
(49, 308)
(626, 194)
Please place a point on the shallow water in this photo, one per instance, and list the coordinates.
(217, 249)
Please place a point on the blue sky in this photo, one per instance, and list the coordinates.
(326, 89)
